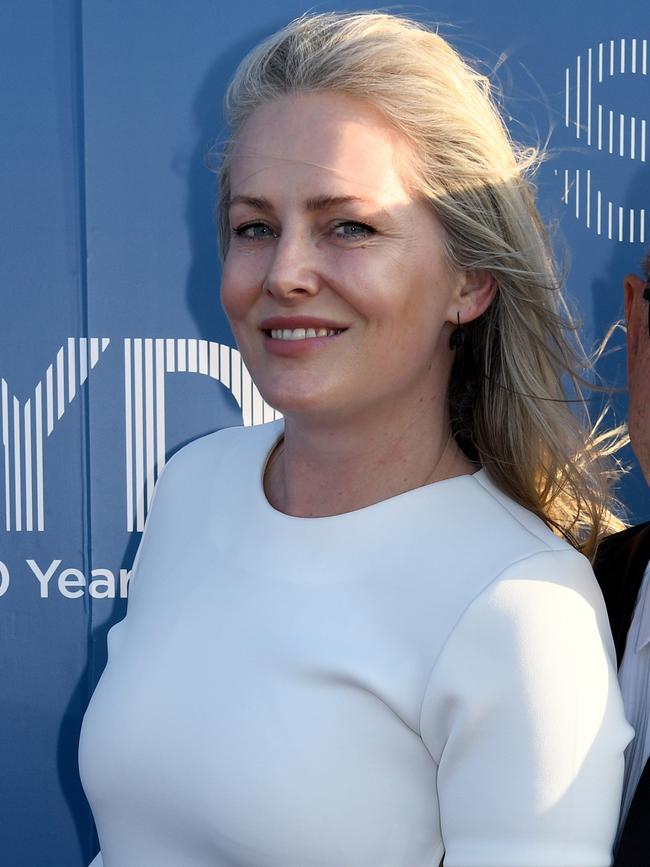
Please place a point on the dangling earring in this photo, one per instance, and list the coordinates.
(457, 339)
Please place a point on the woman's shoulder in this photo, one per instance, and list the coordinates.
(487, 534)
(533, 615)
(517, 522)
(535, 579)
(207, 471)
(236, 447)
(517, 548)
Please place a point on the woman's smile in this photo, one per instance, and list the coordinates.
(293, 336)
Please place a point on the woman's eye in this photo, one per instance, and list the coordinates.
(254, 231)
(349, 229)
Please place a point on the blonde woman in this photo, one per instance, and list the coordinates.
(364, 635)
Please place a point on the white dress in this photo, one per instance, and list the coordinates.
(427, 677)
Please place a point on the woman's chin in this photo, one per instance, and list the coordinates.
(294, 404)
(310, 402)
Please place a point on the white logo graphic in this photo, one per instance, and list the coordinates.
(23, 431)
(25, 427)
(608, 131)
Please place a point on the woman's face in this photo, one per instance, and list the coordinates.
(335, 282)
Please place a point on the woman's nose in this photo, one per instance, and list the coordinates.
(292, 271)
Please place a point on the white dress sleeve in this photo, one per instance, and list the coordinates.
(97, 861)
(524, 718)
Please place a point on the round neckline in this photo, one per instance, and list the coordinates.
(380, 505)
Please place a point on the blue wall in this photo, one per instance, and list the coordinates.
(109, 275)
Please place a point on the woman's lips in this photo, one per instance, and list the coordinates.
(292, 342)
(273, 323)
(301, 333)
(291, 336)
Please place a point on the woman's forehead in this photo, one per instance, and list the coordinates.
(329, 139)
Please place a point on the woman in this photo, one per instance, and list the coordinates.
(379, 653)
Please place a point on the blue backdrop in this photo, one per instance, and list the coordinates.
(113, 349)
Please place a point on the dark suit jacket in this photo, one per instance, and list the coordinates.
(620, 565)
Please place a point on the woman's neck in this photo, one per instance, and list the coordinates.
(329, 469)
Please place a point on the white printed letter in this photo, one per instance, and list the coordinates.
(68, 585)
(44, 579)
(4, 578)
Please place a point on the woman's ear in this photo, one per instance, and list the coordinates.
(634, 315)
(475, 292)
(633, 285)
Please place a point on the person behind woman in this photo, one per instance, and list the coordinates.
(363, 635)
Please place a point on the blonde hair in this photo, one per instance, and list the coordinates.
(507, 398)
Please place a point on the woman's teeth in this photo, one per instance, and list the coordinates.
(303, 333)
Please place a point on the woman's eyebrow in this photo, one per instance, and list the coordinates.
(260, 204)
(314, 203)
(323, 203)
